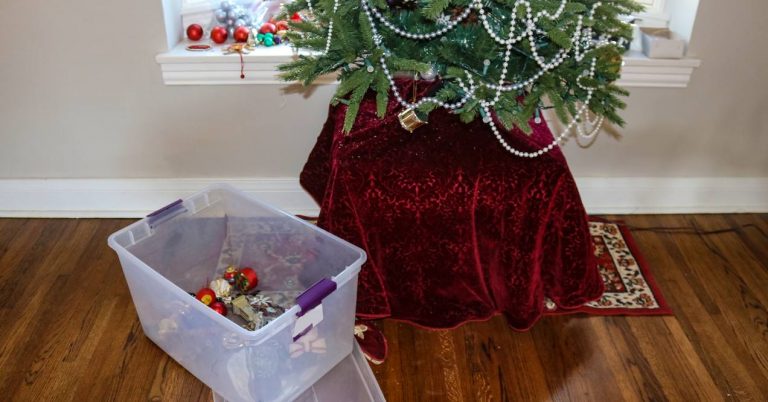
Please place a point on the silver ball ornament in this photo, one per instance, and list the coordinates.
(221, 15)
(429, 75)
(226, 5)
(231, 14)
(239, 23)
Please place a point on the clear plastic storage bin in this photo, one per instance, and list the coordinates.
(178, 249)
(350, 381)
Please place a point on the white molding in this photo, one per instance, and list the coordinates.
(639, 71)
(182, 67)
(673, 195)
(123, 198)
(75, 198)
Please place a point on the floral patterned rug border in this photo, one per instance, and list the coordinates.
(630, 289)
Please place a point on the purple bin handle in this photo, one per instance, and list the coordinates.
(313, 296)
(161, 213)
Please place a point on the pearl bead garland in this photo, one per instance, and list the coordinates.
(418, 36)
(309, 6)
(390, 78)
(469, 92)
(330, 25)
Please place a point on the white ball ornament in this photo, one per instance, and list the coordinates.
(221, 287)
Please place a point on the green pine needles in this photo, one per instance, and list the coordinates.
(510, 58)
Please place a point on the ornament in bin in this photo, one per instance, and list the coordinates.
(194, 32)
(219, 307)
(206, 295)
(246, 279)
(221, 287)
(229, 274)
(241, 307)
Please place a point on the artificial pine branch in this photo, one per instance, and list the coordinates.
(465, 50)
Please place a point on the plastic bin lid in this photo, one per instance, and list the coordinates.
(350, 381)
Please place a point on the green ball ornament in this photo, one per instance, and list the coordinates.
(269, 39)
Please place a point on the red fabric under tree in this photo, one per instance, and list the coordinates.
(456, 228)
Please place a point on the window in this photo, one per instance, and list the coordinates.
(182, 67)
(654, 14)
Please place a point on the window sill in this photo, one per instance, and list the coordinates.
(640, 71)
(182, 67)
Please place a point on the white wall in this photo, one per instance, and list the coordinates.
(716, 127)
(81, 97)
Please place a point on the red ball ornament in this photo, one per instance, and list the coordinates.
(195, 32)
(241, 34)
(229, 274)
(268, 27)
(281, 25)
(246, 279)
(219, 307)
(219, 34)
(296, 17)
(206, 295)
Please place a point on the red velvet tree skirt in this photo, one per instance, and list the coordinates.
(456, 229)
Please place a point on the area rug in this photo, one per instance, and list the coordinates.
(629, 286)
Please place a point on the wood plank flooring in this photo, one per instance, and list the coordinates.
(69, 331)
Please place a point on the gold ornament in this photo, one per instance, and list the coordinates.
(410, 120)
(242, 48)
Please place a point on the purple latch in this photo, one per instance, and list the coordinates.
(302, 333)
(164, 213)
(313, 296)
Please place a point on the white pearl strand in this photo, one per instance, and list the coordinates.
(408, 105)
(557, 140)
(530, 28)
(530, 19)
(504, 66)
(330, 25)
(309, 6)
(595, 127)
(470, 92)
(418, 36)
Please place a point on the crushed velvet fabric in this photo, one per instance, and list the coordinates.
(456, 229)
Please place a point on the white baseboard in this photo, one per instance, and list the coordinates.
(131, 198)
(78, 198)
(673, 195)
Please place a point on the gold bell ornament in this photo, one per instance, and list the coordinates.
(410, 119)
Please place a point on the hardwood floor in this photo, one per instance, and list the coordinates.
(69, 331)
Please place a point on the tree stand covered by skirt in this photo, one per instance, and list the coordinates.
(456, 228)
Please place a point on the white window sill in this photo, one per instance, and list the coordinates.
(182, 67)
(640, 71)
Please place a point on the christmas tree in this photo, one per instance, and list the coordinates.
(504, 58)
